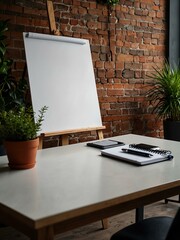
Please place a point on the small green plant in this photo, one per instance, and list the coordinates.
(108, 2)
(165, 92)
(21, 125)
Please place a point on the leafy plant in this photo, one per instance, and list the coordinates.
(21, 125)
(12, 92)
(165, 93)
(108, 2)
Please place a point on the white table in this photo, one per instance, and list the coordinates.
(74, 185)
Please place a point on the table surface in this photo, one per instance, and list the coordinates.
(73, 180)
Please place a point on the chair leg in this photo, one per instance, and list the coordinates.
(172, 200)
(104, 223)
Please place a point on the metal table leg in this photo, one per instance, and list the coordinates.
(139, 214)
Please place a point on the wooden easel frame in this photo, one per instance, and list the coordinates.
(51, 17)
(65, 134)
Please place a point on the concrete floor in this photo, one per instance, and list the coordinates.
(94, 231)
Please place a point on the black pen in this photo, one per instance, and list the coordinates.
(134, 152)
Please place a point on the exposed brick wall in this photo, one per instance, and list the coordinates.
(126, 42)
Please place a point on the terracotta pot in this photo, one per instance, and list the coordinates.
(22, 154)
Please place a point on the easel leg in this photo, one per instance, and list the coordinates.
(52, 22)
(65, 140)
(104, 223)
(41, 142)
(100, 134)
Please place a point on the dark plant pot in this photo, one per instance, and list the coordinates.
(2, 150)
(171, 130)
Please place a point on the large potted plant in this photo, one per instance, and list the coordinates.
(165, 95)
(19, 130)
(12, 92)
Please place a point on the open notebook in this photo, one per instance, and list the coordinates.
(129, 153)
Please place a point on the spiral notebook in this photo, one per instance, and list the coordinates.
(136, 154)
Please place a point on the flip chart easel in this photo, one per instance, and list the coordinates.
(59, 68)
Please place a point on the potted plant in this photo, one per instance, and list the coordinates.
(165, 95)
(19, 130)
(12, 92)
